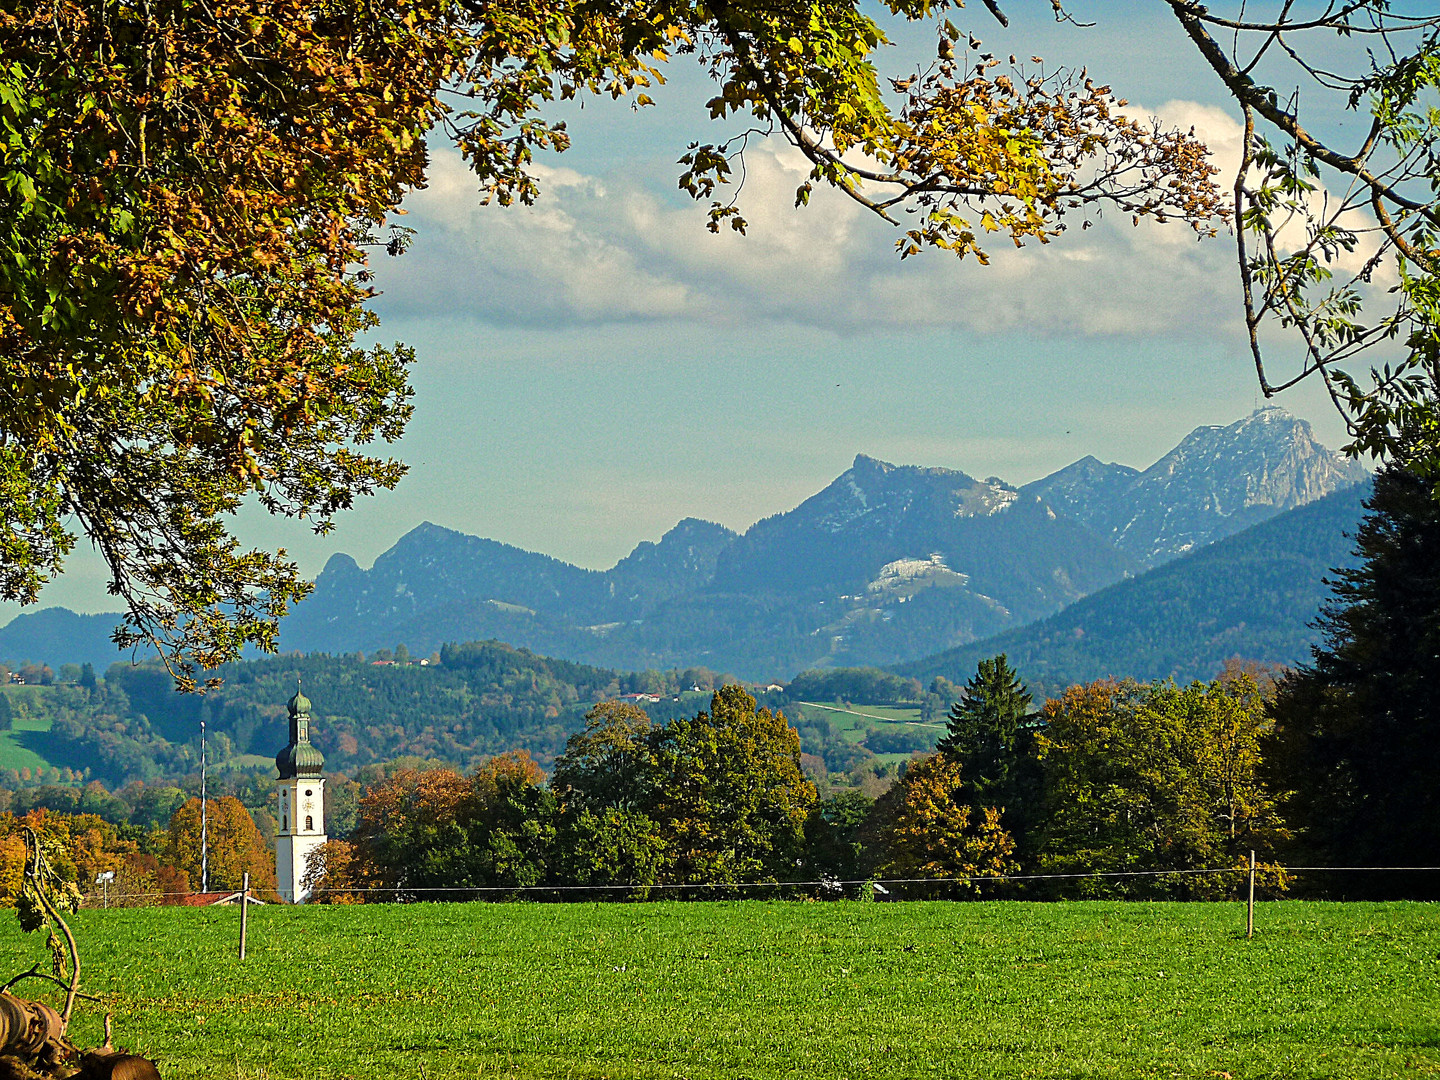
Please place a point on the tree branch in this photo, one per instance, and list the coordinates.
(1333, 21)
(1249, 94)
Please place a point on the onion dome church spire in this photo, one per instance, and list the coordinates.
(299, 758)
(300, 804)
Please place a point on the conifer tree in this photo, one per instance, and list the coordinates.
(986, 728)
(1358, 730)
(990, 739)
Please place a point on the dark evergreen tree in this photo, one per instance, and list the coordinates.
(990, 734)
(835, 839)
(986, 726)
(1357, 734)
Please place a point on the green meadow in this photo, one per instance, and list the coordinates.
(854, 722)
(767, 989)
(863, 718)
(14, 754)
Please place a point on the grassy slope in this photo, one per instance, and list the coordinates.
(769, 990)
(854, 722)
(14, 754)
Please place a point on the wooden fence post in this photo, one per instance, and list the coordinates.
(1250, 905)
(244, 910)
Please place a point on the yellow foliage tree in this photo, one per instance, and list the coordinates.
(1152, 778)
(235, 846)
(332, 874)
(12, 867)
(926, 828)
(729, 794)
(85, 846)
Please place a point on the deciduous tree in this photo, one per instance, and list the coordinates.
(438, 830)
(1338, 234)
(608, 763)
(730, 796)
(926, 827)
(610, 846)
(1151, 778)
(333, 875)
(190, 192)
(835, 837)
(716, 798)
(233, 842)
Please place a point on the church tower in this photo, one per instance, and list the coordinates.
(301, 803)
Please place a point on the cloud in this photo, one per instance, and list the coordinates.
(563, 259)
(1222, 135)
(622, 248)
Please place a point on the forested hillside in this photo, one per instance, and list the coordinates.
(468, 702)
(1251, 595)
(56, 635)
(1254, 595)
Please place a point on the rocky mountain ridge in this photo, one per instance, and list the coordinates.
(1216, 482)
(1253, 595)
(886, 563)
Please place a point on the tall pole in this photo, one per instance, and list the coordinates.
(204, 820)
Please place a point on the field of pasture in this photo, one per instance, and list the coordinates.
(854, 723)
(766, 989)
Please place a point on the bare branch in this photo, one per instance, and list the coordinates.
(1334, 21)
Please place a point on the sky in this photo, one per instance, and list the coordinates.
(595, 368)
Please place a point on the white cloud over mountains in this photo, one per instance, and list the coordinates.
(622, 248)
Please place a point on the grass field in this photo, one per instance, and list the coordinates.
(854, 722)
(14, 755)
(862, 718)
(759, 990)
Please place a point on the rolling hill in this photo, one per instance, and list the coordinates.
(1252, 595)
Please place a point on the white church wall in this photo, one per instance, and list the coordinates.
(301, 803)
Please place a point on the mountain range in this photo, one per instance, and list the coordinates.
(1216, 482)
(1253, 595)
(885, 564)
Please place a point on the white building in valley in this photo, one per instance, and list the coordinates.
(301, 803)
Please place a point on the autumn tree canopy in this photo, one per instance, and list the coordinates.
(189, 194)
(715, 798)
(927, 828)
(1155, 777)
(234, 845)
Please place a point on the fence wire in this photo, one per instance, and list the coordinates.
(820, 883)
